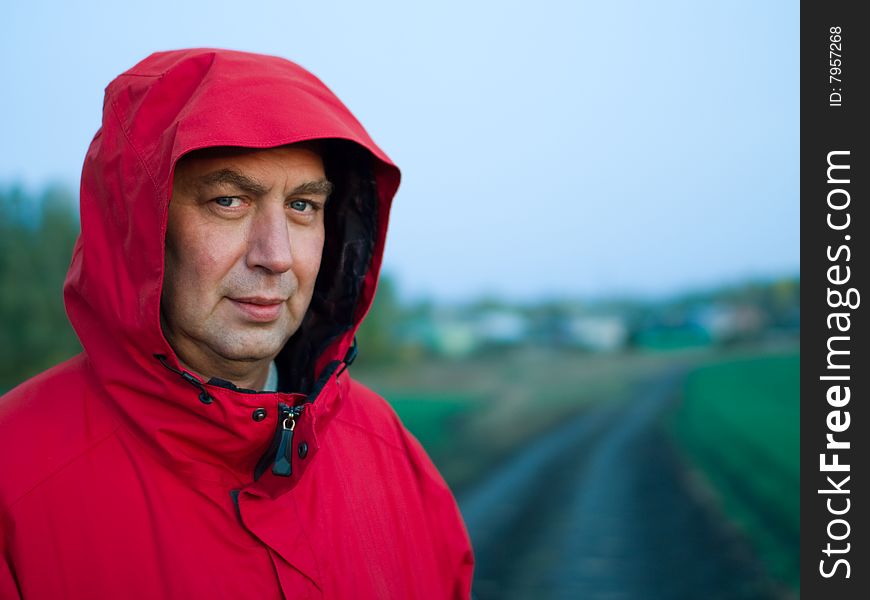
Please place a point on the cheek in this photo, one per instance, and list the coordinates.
(308, 255)
(197, 266)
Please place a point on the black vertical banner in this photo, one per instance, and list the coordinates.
(835, 224)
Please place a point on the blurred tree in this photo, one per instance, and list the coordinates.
(37, 234)
(377, 337)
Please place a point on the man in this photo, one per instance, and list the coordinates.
(209, 442)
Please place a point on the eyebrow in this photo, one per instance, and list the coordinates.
(320, 187)
(234, 178)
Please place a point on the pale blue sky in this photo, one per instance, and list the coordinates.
(547, 149)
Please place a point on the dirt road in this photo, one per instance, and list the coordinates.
(600, 508)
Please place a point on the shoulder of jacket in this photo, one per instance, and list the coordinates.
(370, 412)
(367, 411)
(46, 423)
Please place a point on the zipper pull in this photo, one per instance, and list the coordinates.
(284, 455)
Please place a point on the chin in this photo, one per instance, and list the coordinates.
(250, 348)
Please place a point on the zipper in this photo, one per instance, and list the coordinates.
(280, 452)
(287, 415)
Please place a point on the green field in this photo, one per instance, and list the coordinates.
(433, 419)
(739, 425)
(471, 414)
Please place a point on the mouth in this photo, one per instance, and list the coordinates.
(259, 309)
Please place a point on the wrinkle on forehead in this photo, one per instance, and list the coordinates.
(243, 180)
(247, 183)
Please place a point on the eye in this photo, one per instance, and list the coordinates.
(228, 201)
(301, 205)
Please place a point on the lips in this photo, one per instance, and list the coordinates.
(262, 310)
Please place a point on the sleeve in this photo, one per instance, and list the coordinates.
(443, 520)
(445, 523)
(8, 584)
(457, 546)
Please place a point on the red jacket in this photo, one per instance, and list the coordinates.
(124, 477)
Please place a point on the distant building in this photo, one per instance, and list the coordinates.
(729, 322)
(501, 327)
(599, 333)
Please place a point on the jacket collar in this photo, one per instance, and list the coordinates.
(212, 433)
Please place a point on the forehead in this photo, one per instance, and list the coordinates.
(306, 157)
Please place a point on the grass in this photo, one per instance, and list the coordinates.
(474, 413)
(739, 424)
(432, 417)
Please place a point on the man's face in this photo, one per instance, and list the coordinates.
(243, 248)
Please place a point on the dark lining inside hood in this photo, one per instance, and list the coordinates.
(350, 222)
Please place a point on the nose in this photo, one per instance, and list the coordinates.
(269, 241)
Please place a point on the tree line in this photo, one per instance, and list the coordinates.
(37, 234)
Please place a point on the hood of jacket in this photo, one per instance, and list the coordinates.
(168, 105)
